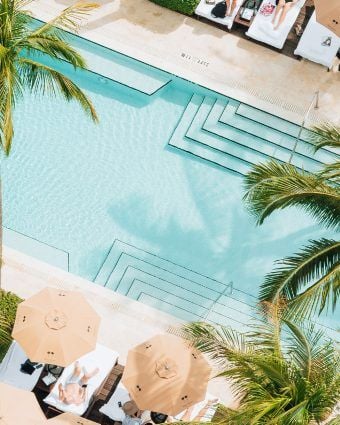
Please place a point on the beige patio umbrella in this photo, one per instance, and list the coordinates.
(69, 419)
(56, 327)
(328, 14)
(19, 407)
(166, 375)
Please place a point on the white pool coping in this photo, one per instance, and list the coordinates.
(209, 56)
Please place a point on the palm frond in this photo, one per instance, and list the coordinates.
(44, 79)
(13, 21)
(5, 336)
(54, 47)
(303, 346)
(323, 294)
(310, 265)
(331, 172)
(70, 18)
(325, 135)
(218, 342)
(273, 186)
(5, 331)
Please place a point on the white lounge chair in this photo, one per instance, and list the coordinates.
(112, 409)
(204, 10)
(318, 43)
(121, 395)
(261, 29)
(10, 369)
(199, 406)
(102, 357)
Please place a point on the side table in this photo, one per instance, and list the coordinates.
(242, 22)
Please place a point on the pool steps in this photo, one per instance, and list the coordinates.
(178, 290)
(220, 132)
(147, 277)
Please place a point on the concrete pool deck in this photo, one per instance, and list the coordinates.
(209, 56)
(124, 322)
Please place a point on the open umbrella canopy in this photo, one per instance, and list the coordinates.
(19, 407)
(328, 14)
(165, 374)
(56, 327)
(69, 419)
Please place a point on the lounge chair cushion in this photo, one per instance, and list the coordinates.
(111, 408)
(10, 372)
(262, 29)
(121, 394)
(310, 45)
(102, 357)
(204, 10)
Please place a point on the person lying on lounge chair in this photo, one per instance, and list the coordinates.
(281, 10)
(74, 391)
(231, 4)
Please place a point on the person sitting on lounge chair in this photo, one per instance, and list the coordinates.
(74, 391)
(132, 413)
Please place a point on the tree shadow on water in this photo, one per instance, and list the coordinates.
(165, 236)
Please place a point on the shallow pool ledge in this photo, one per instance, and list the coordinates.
(125, 322)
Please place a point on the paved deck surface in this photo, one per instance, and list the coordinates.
(231, 65)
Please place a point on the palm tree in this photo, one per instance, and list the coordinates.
(310, 280)
(281, 374)
(21, 47)
(5, 335)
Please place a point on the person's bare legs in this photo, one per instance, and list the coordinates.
(283, 15)
(278, 9)
(232, 7)
(76, 373)
(87, 376)
(228, 5)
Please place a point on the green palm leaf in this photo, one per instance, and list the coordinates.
(331, 172)
(53, 46)
(325, 135)
(70, 18)
(274, 186)
(297, 383)
(19, 72)
(5, 336)
(318, 263)
(45, 80)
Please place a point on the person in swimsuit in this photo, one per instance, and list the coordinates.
(231, 4)
(74, 391)
(282, 7)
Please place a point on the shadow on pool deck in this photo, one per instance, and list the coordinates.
(154, 18)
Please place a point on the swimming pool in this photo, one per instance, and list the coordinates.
(149, 202)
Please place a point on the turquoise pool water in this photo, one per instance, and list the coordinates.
(146, 202)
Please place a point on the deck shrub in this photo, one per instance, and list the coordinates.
(184, 6)
(8, 308)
